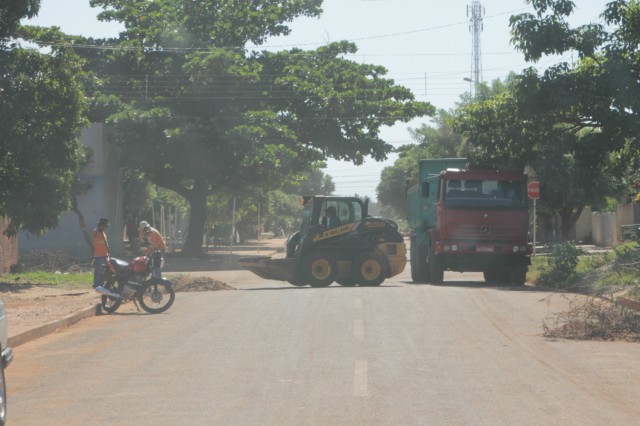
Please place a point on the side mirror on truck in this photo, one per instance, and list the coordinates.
(425, 189)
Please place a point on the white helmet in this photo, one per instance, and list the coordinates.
(142, 225)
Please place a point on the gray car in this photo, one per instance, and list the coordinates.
(7, 356)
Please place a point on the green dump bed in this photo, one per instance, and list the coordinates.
(422, 210)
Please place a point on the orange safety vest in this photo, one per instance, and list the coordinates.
(100, 244)
(155, 239)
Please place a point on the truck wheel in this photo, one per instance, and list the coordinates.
(518, 275)
(413, 260)
(436, 271)
(418, 260)
(320, 269)
(491, 276)
(370, 270)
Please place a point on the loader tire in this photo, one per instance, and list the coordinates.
(370, 270)
(320, 269)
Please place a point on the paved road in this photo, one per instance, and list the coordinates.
(272, 354)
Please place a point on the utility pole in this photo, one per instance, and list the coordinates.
(475, 12)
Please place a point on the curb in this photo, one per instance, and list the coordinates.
(51, 327)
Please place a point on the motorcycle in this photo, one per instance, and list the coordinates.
(134, 281)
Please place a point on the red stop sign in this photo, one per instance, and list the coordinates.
(533, 190)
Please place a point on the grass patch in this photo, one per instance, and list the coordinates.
(62, 280)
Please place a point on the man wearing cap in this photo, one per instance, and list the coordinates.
(100, 253)
(152, 239)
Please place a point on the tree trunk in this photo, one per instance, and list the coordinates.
(198, 212)
(569, 218)
(81, 222)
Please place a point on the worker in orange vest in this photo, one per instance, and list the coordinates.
(100, 246)
(153, 241)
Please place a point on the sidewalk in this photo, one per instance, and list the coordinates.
(221, 263)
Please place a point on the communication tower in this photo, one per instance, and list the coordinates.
(475, 12)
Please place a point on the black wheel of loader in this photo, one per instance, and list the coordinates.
(320, 269)
(370, 269)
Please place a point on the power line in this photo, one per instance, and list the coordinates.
(261, 47)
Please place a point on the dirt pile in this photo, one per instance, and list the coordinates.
(190, 283)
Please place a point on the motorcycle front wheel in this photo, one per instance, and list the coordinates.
(156, 297)
(111, 304)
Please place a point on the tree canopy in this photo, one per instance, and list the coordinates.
(41, 106)
(573, 123)
(200, 113)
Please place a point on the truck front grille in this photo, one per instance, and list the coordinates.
(476, 232)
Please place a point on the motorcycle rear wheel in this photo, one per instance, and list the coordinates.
(111, 304)
(156, 297)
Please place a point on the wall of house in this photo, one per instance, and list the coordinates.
(604, 229)
(583, 232)
(104, 199)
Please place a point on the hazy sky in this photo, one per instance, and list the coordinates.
(425, 45)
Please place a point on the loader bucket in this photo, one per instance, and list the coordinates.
(270, 269)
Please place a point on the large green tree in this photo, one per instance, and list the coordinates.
(574, 124)
(199, 113)
(41, 104)
(12, 12)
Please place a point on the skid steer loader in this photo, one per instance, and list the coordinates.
(355, 249)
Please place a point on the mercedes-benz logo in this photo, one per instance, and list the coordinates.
(484, 229)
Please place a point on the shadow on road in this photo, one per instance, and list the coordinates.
(331, 287)
(483, 284)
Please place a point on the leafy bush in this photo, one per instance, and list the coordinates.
(559, 270)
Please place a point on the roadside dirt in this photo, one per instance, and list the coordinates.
(31, 305)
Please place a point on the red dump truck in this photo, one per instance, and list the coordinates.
(467, 219)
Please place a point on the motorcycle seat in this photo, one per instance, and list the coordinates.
(119, 264)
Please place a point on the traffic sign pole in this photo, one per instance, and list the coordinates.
(533, 191)
(535, 227)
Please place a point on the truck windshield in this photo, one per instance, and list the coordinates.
(503, 195)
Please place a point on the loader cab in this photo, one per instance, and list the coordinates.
(348, 210)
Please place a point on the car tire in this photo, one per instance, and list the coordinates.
(3, 397)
